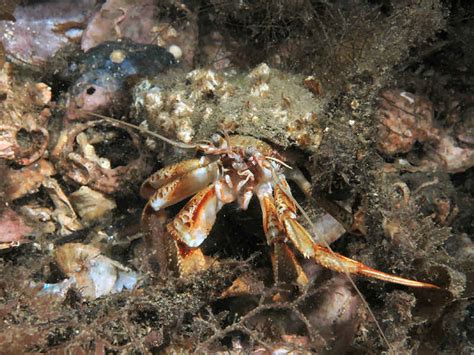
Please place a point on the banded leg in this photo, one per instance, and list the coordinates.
(170, 173)
(323, 256)
(193, 224)
(286, 267)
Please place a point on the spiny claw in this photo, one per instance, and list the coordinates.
(184, 186)
(169, 173)
(194, 222)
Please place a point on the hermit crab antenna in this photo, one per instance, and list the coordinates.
(144, 130)
(224, 130)
(325, 243)
(279, 162)
(204, 141)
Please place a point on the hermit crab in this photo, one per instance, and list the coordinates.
(234, 168)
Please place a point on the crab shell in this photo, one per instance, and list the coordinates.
(235, 168)
(83, 170)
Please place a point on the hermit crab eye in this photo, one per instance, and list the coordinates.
(217, 140)
(250, 150)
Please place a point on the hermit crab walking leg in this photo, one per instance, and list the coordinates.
(194, 222)
(285, 265)
(323, 255)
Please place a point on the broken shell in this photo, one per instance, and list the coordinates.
(40, 29)
(141, 22)
(28, 179)
(120, 19)
(40, 94)
(76, 158)
(335, 309)
(449, 156)
(23, 138)
(12, 229)
(327, 229)
(63, 213)
(95, 91)
(404, 119)
(40, 217)
(22, 144)
(91, 205)
(93, 274)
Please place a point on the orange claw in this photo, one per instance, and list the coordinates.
(169, 173)
(184, 186)
(194, 222)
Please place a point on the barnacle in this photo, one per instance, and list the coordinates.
(265, 103)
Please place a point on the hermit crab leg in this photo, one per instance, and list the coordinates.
(169, 173)
(285, 266)
(323, 256)
(194, 222)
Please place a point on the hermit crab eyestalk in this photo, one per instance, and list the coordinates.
(218, 140)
